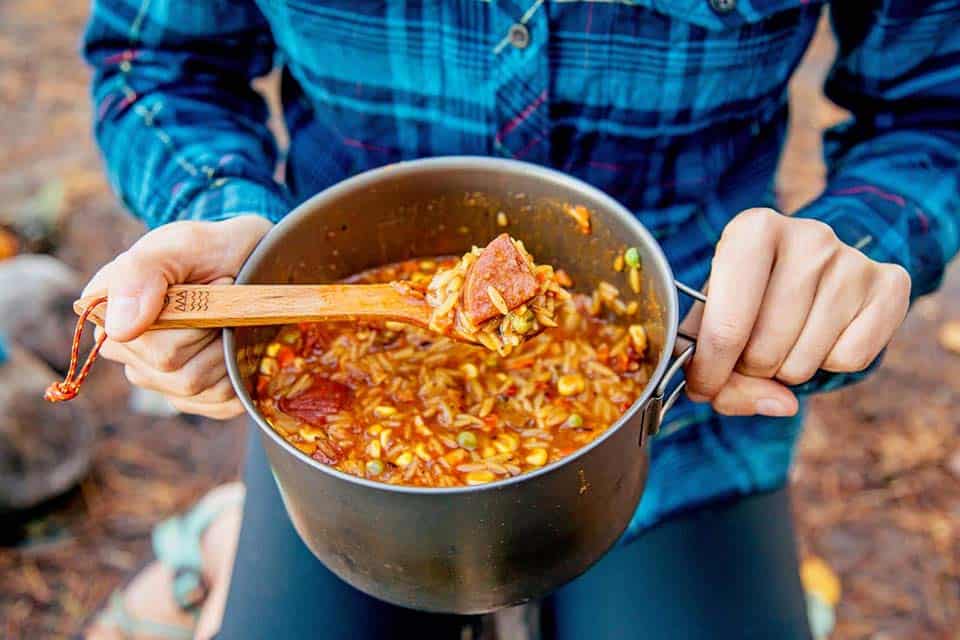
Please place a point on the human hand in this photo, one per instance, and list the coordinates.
(786, 298)
(185, 365)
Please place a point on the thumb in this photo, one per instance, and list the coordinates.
(746, 396)
(134, 297)
(178, 253)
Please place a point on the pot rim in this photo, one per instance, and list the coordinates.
(465, 162)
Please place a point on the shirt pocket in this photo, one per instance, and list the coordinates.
(720, 62)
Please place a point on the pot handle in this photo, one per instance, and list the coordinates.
(664, 400)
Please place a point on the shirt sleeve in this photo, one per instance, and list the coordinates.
(182, 131)
(893, 181)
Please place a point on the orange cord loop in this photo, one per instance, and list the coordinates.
(69, 387)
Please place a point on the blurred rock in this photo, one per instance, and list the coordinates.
(38, 220)
(36, 306)
(45, 449)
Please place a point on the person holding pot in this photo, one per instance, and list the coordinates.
(678, 110)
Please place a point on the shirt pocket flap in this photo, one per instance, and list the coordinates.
(721, 15)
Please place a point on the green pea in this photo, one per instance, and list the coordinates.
(467, 440)
(575, 420)
(520, 324)
(632, 257)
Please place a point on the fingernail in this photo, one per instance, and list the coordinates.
(772, 407)
(122, 312)
(696, 397)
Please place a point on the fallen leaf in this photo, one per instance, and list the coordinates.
(819, 579)
(9, 245)
(949, 336)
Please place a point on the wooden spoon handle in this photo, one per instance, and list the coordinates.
(209, 306)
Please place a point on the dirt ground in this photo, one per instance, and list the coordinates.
(876, 484)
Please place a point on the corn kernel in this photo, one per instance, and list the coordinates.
(423, 429)
(374, 467)
(455, 457)
(403, 459)
(309, 433)
(269, 366)
(638, 336)
(537, 457)
(384, 411)
(273, 349)
(470, 371)
(633, 307)
(421, 450)
(618, 263)
(506, 443)
(488, 452)
(385, 438)
(502, 219)
(570, 385)
(374, 449)
(479, 477)
(427, 265)
(634, 278)
(307, 447)
(393, 325)
(375, 429)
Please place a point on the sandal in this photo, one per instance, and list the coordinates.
(176, 544)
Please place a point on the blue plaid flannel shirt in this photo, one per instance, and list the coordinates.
(676, 108)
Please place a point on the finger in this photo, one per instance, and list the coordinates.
(870, 331)
(222, 411)
(738, 279)
(200, 373)
(838, 300)
(221, 391)
(165, 351)
(169, 350)
(788, 299)
(746, 396)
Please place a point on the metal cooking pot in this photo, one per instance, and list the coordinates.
(472, 549)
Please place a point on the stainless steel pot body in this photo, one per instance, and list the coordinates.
(467, 549)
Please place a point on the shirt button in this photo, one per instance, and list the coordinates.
(519, 36)
(723, 6)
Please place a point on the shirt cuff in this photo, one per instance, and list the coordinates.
(229, 197)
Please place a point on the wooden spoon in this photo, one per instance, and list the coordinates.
(226, 305)
(209, 306)
(230, 305)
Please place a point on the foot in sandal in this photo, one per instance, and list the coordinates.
(183, 592)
